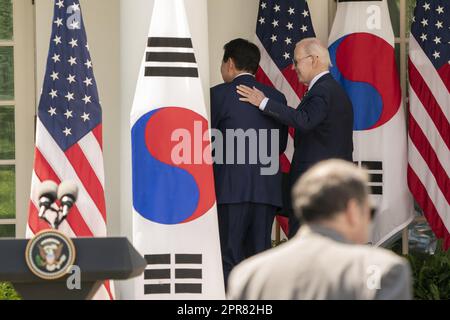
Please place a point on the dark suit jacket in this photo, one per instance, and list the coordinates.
(237, 183)
(323, 123)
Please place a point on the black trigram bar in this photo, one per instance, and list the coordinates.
(376, 190)
(372, 165)
(186, 57)
(158, 258)
(178, 72)
(376, 178)
(188, 259)
(157, 274)
(188, 273)
(157, 289)
(169, 71)
(155, 42)
(188, 288)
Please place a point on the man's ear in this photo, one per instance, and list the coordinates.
(231, 65)
(315, 61)
(352, 212)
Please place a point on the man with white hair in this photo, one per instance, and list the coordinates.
(323, 120)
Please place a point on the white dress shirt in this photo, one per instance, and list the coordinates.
(244, 74)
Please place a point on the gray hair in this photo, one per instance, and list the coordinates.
(313, 46)
(326, 189)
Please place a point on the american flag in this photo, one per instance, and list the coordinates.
(69, 130)
(281, 24)
(429, 114)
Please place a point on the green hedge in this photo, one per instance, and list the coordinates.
(7, 292)
(431, 274)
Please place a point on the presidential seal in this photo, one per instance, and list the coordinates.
(50, 254)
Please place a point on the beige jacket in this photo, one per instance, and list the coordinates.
(319, 264)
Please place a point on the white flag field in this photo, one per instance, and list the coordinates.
(361, 45)
(174, 208)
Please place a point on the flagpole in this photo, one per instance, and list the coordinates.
(33, 2)
(405, 242)
(403, 41)
(277, 232)
(332, 6)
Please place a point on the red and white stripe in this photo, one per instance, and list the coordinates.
(429, 141)
(82, 163)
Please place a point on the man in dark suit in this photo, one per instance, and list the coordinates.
(248, 186)
(323, 120)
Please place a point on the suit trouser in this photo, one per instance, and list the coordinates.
(298, 169)
(245, 229)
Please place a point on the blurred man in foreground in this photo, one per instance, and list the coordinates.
(328, 258)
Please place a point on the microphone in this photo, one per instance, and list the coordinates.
(47, 192)
(67, 194)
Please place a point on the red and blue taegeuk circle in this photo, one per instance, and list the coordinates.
(165, 192)
(365, 66)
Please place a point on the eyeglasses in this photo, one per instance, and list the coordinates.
(295, 62)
